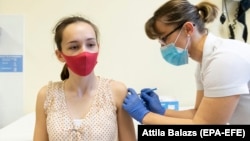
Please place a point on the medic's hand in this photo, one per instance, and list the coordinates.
(134, 105)
(152, 101)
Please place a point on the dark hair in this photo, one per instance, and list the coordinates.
(177, 12)
(58, 31)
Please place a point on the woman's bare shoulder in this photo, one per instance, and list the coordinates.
(118, 87)
(42, 93)
(44, 89)
(119, 90)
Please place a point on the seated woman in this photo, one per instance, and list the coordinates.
(83, 106)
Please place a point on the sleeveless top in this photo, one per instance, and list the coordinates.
(99, 124)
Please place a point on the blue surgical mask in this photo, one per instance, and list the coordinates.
(175, 55)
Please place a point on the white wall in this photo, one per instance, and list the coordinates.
(126, 53)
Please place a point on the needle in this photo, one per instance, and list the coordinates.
(150, 90)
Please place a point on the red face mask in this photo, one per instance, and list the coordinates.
(81, 64)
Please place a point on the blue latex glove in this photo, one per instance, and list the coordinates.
(152, 101)
(134, 105)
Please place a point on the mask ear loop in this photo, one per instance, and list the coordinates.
(177, 36)
(187, 42)
(186, 47)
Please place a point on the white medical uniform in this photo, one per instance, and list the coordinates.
(225, 71)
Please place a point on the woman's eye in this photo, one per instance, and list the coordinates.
(90, 45)
(73, 47)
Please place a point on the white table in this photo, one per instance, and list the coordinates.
(20, 130)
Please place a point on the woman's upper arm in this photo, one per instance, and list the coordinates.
(40, 132)
(199, 96)
(216, 110)
(126, 128)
